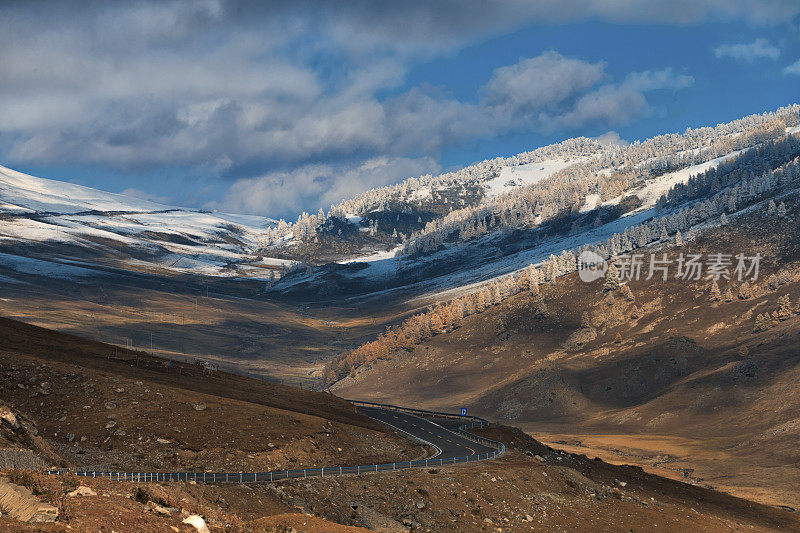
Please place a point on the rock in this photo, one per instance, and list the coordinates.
(110, 424)
(45, 386)
(111, 405)
(528, 518)
(70, 437)
(197, 522)
(539, 458)
(20, 503)
(199, 407)
(420, 504)
(119, 390)
(120, 433)
(163, 441)
(7, 416)
(159, 509)
(82, 491)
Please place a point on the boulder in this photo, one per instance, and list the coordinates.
(82, 491)
(197, 522)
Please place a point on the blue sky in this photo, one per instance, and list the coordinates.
(268, 109)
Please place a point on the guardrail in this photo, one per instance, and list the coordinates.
(260, 477)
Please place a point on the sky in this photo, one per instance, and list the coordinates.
(273, 108)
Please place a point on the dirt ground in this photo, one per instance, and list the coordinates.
(101, 407)
(698, 462)
(533, 488)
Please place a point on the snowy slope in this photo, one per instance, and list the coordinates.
(26, 193)
(512, 177)
(654, 189)
(58, 220)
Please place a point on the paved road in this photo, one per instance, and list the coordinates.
(451, 448)
(448, 443)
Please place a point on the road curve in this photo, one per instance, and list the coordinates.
(448, 443)
(446, 433)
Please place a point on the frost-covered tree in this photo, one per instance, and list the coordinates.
(612, 279)
(714, 294)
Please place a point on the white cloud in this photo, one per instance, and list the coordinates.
(283, 193)
(611, 138)
(236, 89)
(546, 80)
(760, 48)
(794, 68)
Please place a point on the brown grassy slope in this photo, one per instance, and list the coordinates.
(535, 489)
(234, 326)
(45, 344)
(678, 371)
(106, 412)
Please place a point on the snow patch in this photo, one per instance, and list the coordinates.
(591, 202)
(512, 177)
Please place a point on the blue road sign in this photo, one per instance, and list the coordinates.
(463, 411)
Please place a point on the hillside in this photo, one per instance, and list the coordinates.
(75, 402)
(56, 221)
(97, 404)
(661, 376)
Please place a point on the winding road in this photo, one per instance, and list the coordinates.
(437, 432)
(446, 433)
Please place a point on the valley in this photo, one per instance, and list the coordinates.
(142, 337)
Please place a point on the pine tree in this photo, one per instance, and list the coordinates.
(618, 339)
(781, 211)
(612, 279)
(627, 293)
(763, 322)
(714, 295)
(771, 208)
(728, 296)
(500, 327)
(540, 310)
(744, 292)
(723, 219)
(678, 239)
(784, 307)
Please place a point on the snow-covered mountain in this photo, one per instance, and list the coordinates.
(432, 233)
(612, 199)
(44, 220)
